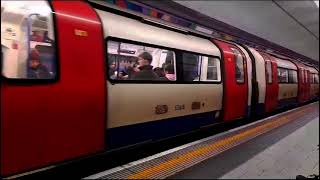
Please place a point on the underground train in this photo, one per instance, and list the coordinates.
(68, 88)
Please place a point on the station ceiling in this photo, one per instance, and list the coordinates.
(291, 24)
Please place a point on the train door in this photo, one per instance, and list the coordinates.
(301, 84)
(272, 86)
(250, 61)
(235, 82)
(307, 87)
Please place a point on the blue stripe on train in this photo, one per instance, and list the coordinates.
(248, 112)
(260, 109)
(155, 130)
(287, 102)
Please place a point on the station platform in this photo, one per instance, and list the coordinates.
(281, 146)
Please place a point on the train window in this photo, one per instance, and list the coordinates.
(191, 66)
(311, 78)
(27, 34)
(269, 71)
(239, 65)
(293, 76)
(306, 76)
(128, 61)
(282, 75)
(316, 79)
(212, 67)
(200, 68)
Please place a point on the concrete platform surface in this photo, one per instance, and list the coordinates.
(283, 153)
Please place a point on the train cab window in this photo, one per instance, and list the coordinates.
(283, 75)
(269, 71)
(239, 66)
(27, 33)
(200, 68)
(128, 61)
(293, 76)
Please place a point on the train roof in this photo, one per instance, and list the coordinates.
(312, 69)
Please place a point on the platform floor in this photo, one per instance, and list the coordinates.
(281, 146)
(283, 153)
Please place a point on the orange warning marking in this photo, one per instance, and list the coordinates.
(148, 173)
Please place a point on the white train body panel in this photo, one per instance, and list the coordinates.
(260, 74)
(135, 103)
(130, 103)
(286, 64)
(122, 27)
(287, 91)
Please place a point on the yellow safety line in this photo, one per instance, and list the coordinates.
(157, 169)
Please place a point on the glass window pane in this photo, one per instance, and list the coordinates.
(27, 40)
(136, 62)
(282, 75)
(302, 76)
(306, 76)
(239, 66)
(213, 69)
(293, 77)
(191, 67)
(201, 68)
(269, 71)
(312, 78)
(316, 79)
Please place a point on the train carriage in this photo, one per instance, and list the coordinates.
(304, 84)
(314, 83)
(272, 85)
(78, 83)
(154, 109)
(235, 82)
(288, 82)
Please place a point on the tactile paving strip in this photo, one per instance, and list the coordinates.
(170, 162)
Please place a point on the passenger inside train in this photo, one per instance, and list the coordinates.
(133, 62)
(145, 69)
(37, 69)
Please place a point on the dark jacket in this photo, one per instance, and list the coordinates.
(145, 73)
(40, 73)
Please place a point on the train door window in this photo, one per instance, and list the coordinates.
(316, 78)
(306, 76)
(128, 61)
(293, 77)
(282, 75)
(311, 78)
(302, 76)
(28, 35)
(239, 65)
(269, 71)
